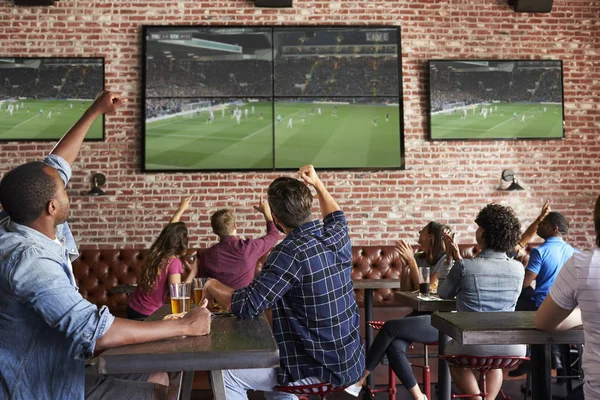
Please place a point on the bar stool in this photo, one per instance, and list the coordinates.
(317, 389)
(482, 365)
(391, 389)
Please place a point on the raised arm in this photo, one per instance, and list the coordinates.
(183, 205)
(326, 202)
(68, 146)
(532, 229)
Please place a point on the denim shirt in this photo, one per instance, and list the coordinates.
(489, 282)
(47, 329)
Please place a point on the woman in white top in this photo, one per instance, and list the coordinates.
(578, 285)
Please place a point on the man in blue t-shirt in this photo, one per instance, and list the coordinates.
(545, 261)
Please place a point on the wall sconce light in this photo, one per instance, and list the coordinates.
(98, 180)
(509, 176)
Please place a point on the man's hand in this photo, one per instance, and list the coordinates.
(309, 176)
(545, 211)
(107, 102)
(197, 321)
(264, 208)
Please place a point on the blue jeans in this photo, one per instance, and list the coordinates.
(239, 381)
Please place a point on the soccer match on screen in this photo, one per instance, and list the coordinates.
(496, 100)
(41, 98)
(254, 98)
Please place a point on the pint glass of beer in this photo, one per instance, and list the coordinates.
(198, 288)
(180, 297)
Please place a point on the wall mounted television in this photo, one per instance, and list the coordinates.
(41, 98)
(221, 98)
(500, 99)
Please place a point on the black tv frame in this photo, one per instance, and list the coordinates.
(273, 96)
(60, 134)
(429, 108)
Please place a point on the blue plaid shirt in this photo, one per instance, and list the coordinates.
(306, 279)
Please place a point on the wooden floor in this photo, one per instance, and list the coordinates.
(511, 388)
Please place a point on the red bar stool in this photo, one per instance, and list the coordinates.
(316, 389)
(483, 365)
(391, 388)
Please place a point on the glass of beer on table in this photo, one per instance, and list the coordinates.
(198, 287)
(180, 297)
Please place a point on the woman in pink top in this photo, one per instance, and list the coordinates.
(161, 267)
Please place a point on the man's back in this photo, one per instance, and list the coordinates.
(233, 260)
(546, 261)
(307, 281)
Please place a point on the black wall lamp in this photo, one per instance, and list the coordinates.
(97, 180)
(508, 175)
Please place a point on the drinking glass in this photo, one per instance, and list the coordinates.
(424, 280)
(180, 297)
(198, 287)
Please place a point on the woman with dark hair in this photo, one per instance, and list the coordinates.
(162, 267)
(396, 335)
(490, 282)
(574, 299)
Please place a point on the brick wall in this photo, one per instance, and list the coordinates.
(443, 181)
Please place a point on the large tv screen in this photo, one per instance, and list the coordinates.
(504, 99)
(267, 98)
(41, 98)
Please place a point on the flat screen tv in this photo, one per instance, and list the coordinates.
(488, 100)
(269, 98)
(41, 98)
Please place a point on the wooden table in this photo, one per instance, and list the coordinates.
(509, 328)
(233, 343)
(411, 299)
(369, 285)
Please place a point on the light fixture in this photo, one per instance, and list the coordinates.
(98, 180)
(508, 175)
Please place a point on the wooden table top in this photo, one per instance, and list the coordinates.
(500, 328)
(376, 283)
(233, 343)
(412, 300)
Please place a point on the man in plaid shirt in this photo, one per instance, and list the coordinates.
(306, 280)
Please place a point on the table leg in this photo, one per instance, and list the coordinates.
(185, 385)
(218, 385)
(541, 388)
(369, 330)
(444, 379)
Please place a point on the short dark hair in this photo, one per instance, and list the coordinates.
(597, 221)
(222, 222)
(26, 190)
(559, 221)
(290, 201)
(501, 227)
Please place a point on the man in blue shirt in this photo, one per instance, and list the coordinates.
(545, 262)
(306, 280)
(47, 329)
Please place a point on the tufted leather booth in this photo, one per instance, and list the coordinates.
(98, 271)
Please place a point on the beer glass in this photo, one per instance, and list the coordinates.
(424, 280)
(180, 297)
(198, 287)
